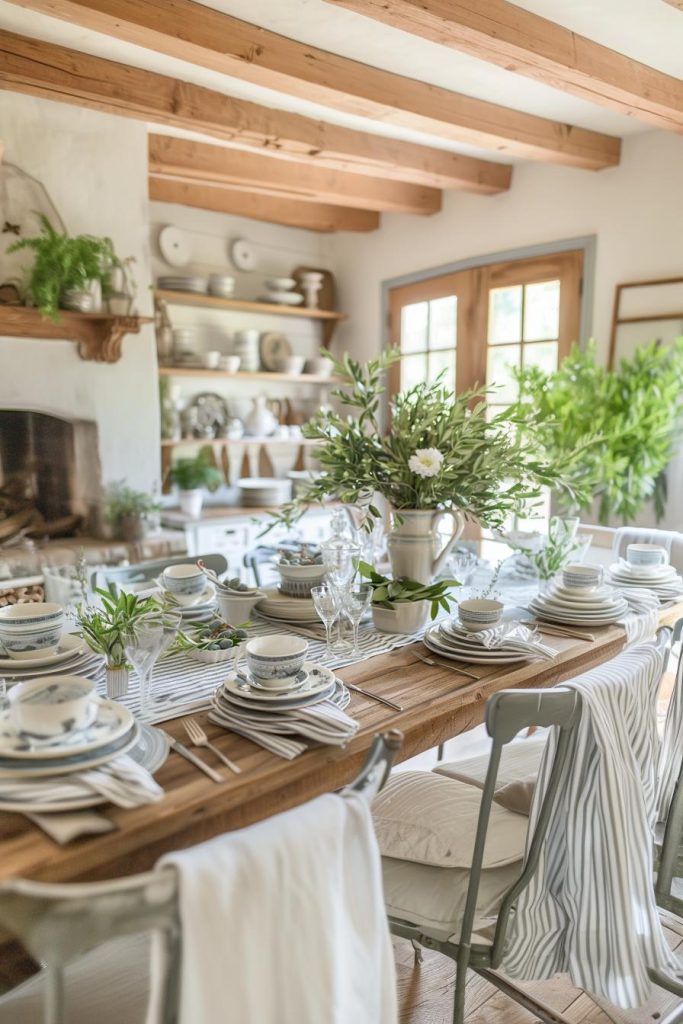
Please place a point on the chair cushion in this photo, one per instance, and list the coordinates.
(429, 819)
(519, 764)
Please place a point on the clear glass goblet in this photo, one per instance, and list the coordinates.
(356, 602)
(326, 601)
(145, 641)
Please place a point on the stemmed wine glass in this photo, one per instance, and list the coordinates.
(146, 639)
(356, 601)
(326, 601)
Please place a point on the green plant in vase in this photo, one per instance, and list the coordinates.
(128, 511)
(401, 605)
(104, 629)
(63, 263)
(192, 476)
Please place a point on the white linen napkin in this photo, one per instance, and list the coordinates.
(121, 781)
(641, 622)
(284, 922)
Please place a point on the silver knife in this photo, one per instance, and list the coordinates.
(192, 758)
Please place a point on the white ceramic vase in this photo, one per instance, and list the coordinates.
(191, 502)
(417, 549)
(117, 681)
(403, 617)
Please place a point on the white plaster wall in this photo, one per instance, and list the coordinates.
(94, 167)
(635, 210)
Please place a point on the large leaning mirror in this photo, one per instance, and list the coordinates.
(645, 311)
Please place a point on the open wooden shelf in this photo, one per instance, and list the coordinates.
(328, 317)
(98, 335)
(262, 375)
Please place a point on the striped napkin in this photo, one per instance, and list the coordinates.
(121, 781)
(513, 636)
(641, 621)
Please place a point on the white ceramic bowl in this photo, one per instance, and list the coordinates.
(53, 705)
(236, 608)
(289, 364)
(30, 629)
(280, 284)
(275, 657)
(318, 366)
(230, 364)
(404, 617)
(185, 580)
(646, 555)
(480, 613)
(582, 577)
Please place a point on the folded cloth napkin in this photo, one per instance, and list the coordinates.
(121, 781)
(513, 636)
(641, 622)
(284, 922)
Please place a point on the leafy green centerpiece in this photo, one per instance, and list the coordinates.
(387, 592)
(104, 629)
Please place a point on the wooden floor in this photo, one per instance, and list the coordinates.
(426, 994)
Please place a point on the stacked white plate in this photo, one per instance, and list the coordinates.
(184, 283)
(264, 491)
(279, 290)
(663, 580)
(221, 285)
(274, 605)
(451, 640)
(204, 609)
(73, 657)
(573, 606)
(49, 763)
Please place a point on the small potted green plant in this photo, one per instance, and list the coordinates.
(192, 477)
(128, 511)
(65, 268)
(402, 605)
(104, 629)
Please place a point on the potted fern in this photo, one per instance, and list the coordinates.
(65, 269)
(192, 476)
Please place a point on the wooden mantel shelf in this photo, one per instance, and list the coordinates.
(98, 335)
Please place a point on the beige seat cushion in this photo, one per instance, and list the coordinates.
(110, 985)
(430, 819)
(519, 764)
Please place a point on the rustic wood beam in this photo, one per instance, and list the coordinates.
(206, 37)
(43, 69)
(292, 213)
(183, 160)
(517, 40)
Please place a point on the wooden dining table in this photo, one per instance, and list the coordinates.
(438, 703)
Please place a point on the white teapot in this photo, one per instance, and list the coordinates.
(260, 422)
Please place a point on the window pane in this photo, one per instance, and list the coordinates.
(414, 320)
(505, 315)
(543, 354)
(413, 370)
(443, 361)
(500, 363)
(542, 311)
(443, 322)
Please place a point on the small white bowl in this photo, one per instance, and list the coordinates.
(229, 364)
(289, 364)
(30, 629)
(275, 657)
(319, 367)
(280, 284)
(53, 705)
(480, 613)
(186, 580)
(582, 577)
(236, 608)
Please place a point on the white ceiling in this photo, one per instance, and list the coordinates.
(647, 30)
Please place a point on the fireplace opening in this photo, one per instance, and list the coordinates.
(50, 465)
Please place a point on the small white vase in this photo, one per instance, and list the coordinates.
(117, 681)
(416, 548)
(191, 502)
(403, 617)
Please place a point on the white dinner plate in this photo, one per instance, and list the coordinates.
(317, 679)
(69, 645)
(286, 703)
(483, 657)
(660, 573)
(12, 768)
(112, 721)
(592, 608)
(91, 667)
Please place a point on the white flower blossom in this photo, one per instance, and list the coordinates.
(426, 462)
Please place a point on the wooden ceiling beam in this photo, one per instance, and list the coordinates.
(44, 69)
(504, 34)
(183, 160)
(291, 213)
(206, 37)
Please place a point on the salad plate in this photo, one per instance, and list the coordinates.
(69, 646)
(15, 768)
(315, 680)
(112, 720)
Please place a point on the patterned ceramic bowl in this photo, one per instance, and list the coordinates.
(480, 613)
(30, 629)
(52, 705)
(183, 580)
(275, 657)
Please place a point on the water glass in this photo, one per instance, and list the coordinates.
(145, 641)
(326, 601)
(356, 602)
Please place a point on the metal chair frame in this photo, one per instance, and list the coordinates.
(58, 923)
(507, 713)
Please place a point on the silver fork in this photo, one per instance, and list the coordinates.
(439, 664)
(200, 739)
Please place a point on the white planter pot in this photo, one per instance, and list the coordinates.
(117, 681)
(417, 549)
(404, 617)
(191, 502)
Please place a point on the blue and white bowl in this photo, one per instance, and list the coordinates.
(53, 705)
(582, 576)
(30, 629)
(186, 580)
(480, 613)
(275, 657)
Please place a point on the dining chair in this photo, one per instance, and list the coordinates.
(60, 923)
(669, 539)
(145, 572)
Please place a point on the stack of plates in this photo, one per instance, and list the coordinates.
(204, 609)
(311, 685)
(279, 290)
(663, 580)
(184, 283)
(274, 605)
(264, 491)
(595, 606)
(113, 732)
(73, 658)
(221, 285)
(452, 640)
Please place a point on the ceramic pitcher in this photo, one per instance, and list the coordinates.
(416, 547)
